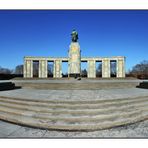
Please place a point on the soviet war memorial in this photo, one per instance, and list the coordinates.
(74, 63)
(99, 92)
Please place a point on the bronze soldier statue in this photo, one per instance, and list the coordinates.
(74, 36)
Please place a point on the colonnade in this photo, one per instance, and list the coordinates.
(57, 70)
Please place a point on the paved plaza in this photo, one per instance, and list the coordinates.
(29, 93)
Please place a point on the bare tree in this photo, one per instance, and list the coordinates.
(19, 69)
(140, 70)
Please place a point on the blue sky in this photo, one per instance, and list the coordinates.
(47, 33)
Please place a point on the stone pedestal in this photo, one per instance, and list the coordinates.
(74, 62)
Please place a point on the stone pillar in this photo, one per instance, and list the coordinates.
(28, 68)
(74, 60)
(43, 69)
(106, 68)
(121, 68)
(91, 72)
(57, 73)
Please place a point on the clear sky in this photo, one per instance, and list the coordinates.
(47, 33)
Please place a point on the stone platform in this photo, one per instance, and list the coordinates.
(74, 84)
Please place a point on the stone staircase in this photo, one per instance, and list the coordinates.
(74, 115)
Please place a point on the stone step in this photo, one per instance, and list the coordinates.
(72, 101)
(84, 112)
(81, 115)
(74, 106)
(47, 124)
(75, 112)
(67, 107)
(71, 118)
(74, 120)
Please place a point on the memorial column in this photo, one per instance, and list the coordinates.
(28, 68)
(57, 69)
(91, 69)
(43, 69)
(121, 68)
(106, 68)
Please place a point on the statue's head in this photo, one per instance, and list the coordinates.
(74, 35)
(73, 31)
